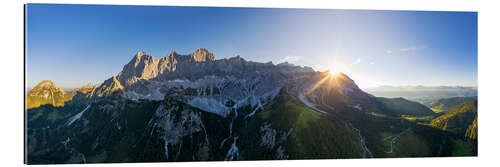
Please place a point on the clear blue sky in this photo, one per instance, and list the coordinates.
(76, 44)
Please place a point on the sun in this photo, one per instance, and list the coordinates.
(336, 68)
(332, 72)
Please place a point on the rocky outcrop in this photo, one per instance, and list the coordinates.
(108, 87)
(202, 55)
(142, 66)
(84, 89)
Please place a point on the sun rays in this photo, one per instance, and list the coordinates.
(330, 79)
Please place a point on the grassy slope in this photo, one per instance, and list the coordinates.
(443, 105)
(314, 136)
(458, 118)
(420, 140)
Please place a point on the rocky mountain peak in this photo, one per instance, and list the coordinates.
(173, 54)
(237, 58)
(142, 57)
(142, 66)
(107, 87)
(46, 84)
(140, 54)
(84, 89)
(202, 55)
(46, 92)
(89, 85)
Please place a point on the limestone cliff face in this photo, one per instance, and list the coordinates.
(109, 86)
(169, 63)
(202, 55)
(144, 67)
(145, 75)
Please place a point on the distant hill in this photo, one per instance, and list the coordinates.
(442, 105)
(402, 106)
(461, 120)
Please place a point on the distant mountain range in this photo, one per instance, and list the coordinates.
(195, 107)
(423, 94)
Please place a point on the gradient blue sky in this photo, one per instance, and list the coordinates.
(76, 44)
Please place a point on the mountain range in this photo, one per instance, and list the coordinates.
(423, 94)
(195, 107)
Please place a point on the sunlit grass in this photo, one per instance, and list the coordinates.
(435, 110)
(412, 118)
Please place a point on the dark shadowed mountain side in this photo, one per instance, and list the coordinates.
(197, 108)
(443, 105)
(461, 120)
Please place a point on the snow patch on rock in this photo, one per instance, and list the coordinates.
(77, 116)
(209, 105)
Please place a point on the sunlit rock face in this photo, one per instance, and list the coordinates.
(85, 89)
(202, 55)
(46, 92)
(142, 66)
(109, 86)
(200, 74)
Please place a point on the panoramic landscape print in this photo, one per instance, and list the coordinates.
(126, 84)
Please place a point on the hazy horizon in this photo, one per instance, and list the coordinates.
(73, 45)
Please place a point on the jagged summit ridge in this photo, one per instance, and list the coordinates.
(202, 55)
(146, 77)
(142, 66)
(109, 86)
(145, 66)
